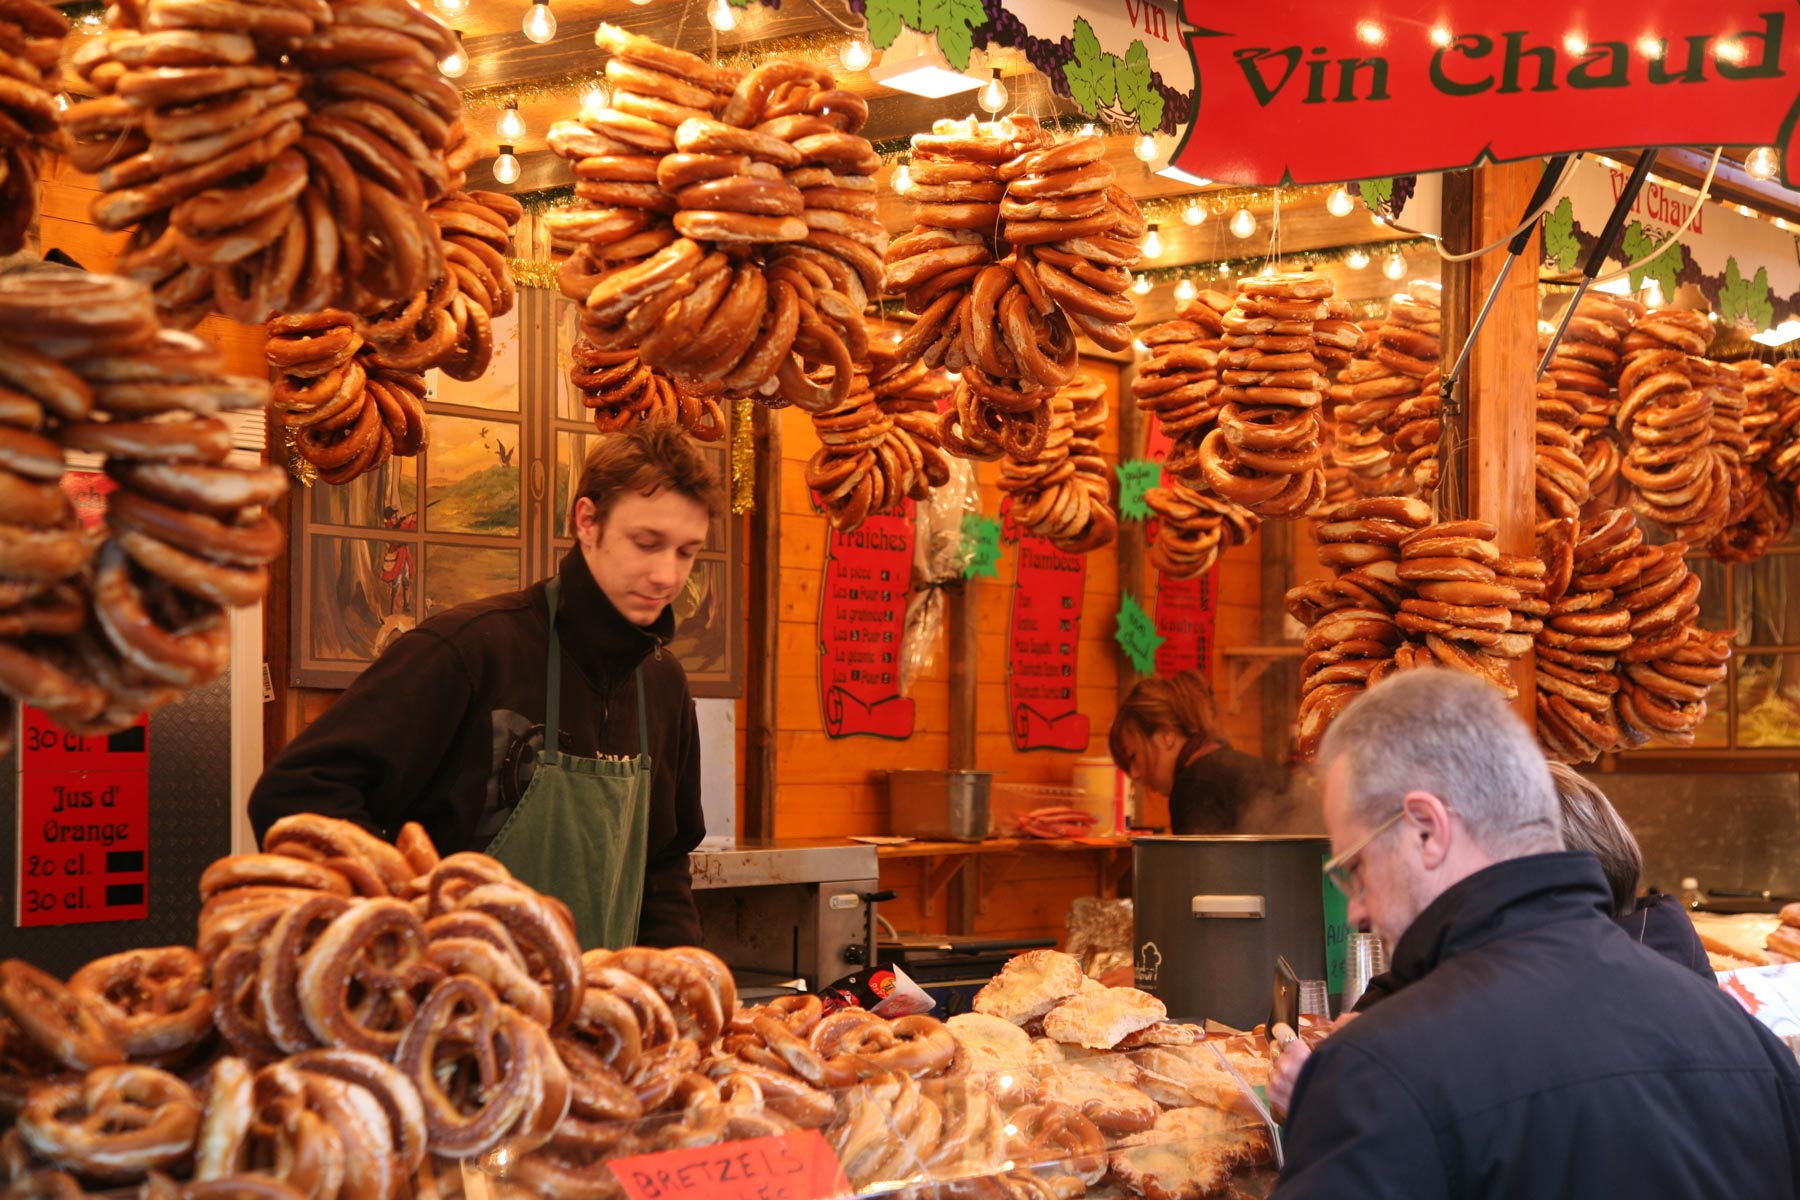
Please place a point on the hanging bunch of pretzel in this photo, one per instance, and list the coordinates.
(1019, 243)
(1179, 383)
(879, 447)
(1267, 451)
(1763, 506)
(1064, 491)
(1677, 477)
(32, 35)
(1409, 343)
(1577, 393)
(105, 625)
(1193, 528)
(1620, 660)
(269, 160)
(1362, 396)
(724, 234)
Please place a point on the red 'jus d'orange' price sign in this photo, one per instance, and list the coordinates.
(84, 824)
(1290, 91)
(789, 1166)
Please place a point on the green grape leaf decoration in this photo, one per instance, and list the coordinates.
(1746, 301)
(955, 23)
(1560, 243)
(1665, 268)
(1091, 75)
(1136, 476)
(1137, 635)
(1376, 192)
(885, 18)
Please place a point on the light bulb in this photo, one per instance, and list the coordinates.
(1152, 243)
(1145, 148)
(722, 16)
(455, 63)
(993, 94)
(1142, 347)
(540, 23)
(903, 176)
(1185, 290)
(856, 54)
(1653, 293)
(506, 167)
(1762, 162)
(453, 8)
(1356, 260)
(62, 101)
(1339, 203)
(1268, 269)
(1087, 130)
(1141, 285)
(1243, 223)
(1394, 267)
(1193, 214)
(511, 127)
(596, 99)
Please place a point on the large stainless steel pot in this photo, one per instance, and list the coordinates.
(1212, 914)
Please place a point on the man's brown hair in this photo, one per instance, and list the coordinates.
(648, 459)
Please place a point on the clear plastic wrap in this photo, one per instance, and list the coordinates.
(1173, 1121)
(1100, 935)
(941, 554)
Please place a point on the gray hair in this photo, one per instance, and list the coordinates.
(1449, 734)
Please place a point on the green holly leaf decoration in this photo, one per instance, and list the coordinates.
(1746, 301)
(885, 18)
(1136, 476)
(1560, 243)
(1376, 192)
(1137, 635)
(981, 540)
(955, 23)
(1665, 268)
(1091, 75)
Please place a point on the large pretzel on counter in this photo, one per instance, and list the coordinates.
(157, 1001)
(361, 980)
(117, 1124)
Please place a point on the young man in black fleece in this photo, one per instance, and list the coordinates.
(444, 728)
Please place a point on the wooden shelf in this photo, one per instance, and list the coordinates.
(1244, 665)
(942, 863)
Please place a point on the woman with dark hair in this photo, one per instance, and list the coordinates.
(1166, 738)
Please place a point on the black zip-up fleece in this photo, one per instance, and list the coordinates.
(443, 728)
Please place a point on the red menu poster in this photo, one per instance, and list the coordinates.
(84, 824)
(1042, 640)
(862, 616)
(1185, 610)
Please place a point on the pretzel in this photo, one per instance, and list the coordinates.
(70, 1029)
(156, 1001)
(351, 996)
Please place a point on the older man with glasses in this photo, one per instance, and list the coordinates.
(1531, 1049)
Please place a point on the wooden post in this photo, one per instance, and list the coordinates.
(1495, 467)
(765, 632)
(1133, 545)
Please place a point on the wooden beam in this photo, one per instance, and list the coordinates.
(765, 633)
(1497, 456)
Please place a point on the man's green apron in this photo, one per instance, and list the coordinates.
(579, 831)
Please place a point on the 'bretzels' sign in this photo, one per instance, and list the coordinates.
(1317, 90)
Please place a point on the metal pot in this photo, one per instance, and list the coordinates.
(939, 804)
(1213, 913)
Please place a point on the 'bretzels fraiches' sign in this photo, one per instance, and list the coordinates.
(1315, 91)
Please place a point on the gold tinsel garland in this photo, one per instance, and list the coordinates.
(532, 272)
(304, 473)
(743, 455)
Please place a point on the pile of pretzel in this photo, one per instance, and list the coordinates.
(1678, 477)
(880, 446)
(1267, 450)
(1063, 490)
(1179, 383)
(100, 627)
(31, 41)
(269, 158)
(724, 230)
(1409, 344)
(1620, 661)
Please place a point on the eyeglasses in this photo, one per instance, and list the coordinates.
(1338, 870)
